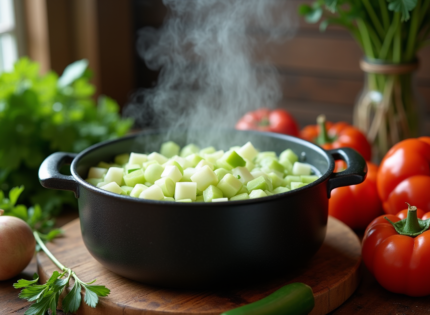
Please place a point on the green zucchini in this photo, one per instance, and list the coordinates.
(292, 299)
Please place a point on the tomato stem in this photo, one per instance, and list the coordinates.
(411, 226)
(323, 136)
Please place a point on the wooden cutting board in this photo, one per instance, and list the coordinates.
(333, 273)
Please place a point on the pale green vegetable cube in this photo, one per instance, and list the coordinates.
(132, 167)
(126, 190)
(276, 166)
(289, 155)
(288, 166)
(204, 163)
(194, 159)
(168, 199)
(247, 151)
(94, 181)
(235, 160)
(169, 149)
(249, 165)
(221, 172)
(260, 183)
(153, 193)
(221, 163)
(243, 196)
(258, 193)
(167, 185)
(212, 192)
(204, 177)
(257, 172)
(291, 178)
(112, 187)
(229, 185)
(276, 180)
(97, 172)
(100, 184)
(137, 158)
(172, 172)
(295, 185)
(207, 150)
(308, 178)
(189, 149)
(122, 159)
(268, 193)
(182, 161)
(219, 199)
(242, 190)
(133, 178)
(200, 198)
(267, 171)
(114, 174)
(184, 200)
(104, 165)
(157, 157)
(153, 172)
(301, 169)
(175, 163)
(280, 190)
(146, 164)
(213, 157)
(242, 174)
(185, 190)
(188, 172)
(265, 154)
(136, 191)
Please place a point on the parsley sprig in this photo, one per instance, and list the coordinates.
(46, 296)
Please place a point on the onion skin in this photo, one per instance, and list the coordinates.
(17, 246)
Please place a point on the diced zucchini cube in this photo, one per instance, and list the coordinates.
(308, 178)
(212, 192)
(276, 166)
(114, 174)
(265, 154)
(200, 198)
(261, 183)
(153, 172)
(204, 177)
(175, 163)
(243, 196)
(153, 193)
(189, 149)
(295, 185)
(186, 190)
(291, 178)
(219, 199)
(234, 159)
(289, 155)
(104, 165)
(137, 158)
(280, 190)
(168, 199)
(182, 161)
(203, 163)
(268, 193)
(243, 190)
(112, 187)
(157, 157)
(133, 178)
(100, 184)
(301, 169)
(276, 180)
(242, 174)
(207, 150)
(221, 172)
(97, 172)
(267, 171)
(122, 159)
(184, 200)
(229, 185)
(172, 172)
(288, 166)
(132, 167)
(136, 191)
(194, 159)
(257, 172)
(126, 190)
(188, 172)
(94, 181)
(221, 163)
(167, 185)
(248, 151)
(258, 193)
(249, 165)
(213, 157)
(169, 149)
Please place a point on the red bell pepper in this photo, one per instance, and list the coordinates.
(397, 252)
(264, 119)
(404, 174)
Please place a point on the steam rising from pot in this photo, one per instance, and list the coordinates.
(204, 52)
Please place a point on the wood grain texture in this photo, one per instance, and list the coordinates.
(333, 274)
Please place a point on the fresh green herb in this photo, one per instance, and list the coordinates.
(42, 114)
(46, 296)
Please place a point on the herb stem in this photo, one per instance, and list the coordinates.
(374, 18)
(47, 252)
(411, 44)
(385, 16)
(367, 44)
(389, 38)
(397, 49)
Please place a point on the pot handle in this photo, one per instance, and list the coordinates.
(50, 176)
(355, 172)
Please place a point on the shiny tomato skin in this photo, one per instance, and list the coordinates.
(282, 122)
(348, 205)
(405, 160)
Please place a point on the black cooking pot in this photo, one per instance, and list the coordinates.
(198, 244)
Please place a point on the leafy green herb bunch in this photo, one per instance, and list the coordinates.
(42, 114)
(387, 30)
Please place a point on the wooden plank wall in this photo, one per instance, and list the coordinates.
(318, 71)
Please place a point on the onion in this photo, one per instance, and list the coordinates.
(17, 246)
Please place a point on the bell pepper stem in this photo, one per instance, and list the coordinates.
(323, 136)
(411, 226)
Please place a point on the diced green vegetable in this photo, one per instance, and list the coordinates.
(308, 178)
(97, 172)
(136, 191)
(126, 190)
(133, 178)
(261, 183)
(153, 193)
(112, 187)
(204, 177)
(235, 159)
(114, 174)
(132, 167)
(229, 185)
(169, 149)
(301, 169)
(207, 150)
(291, 178)
(185, 190)
(258, 193)
(137, 158)
(184, 200)
(194, 159)
(295, 185)
(189, 149)
(221, 172)
(280, 190)
(153, 172)
(122, 159)
(243, 196)
(219, 199)
(167, 186)
(94, 181)
(289, 155)
(248, 151)
(242, 174)
(172, 172)
(212, 192)
(157, 157)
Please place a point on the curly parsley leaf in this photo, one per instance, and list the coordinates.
(72, 301)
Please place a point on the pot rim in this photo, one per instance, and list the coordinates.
(96, 190)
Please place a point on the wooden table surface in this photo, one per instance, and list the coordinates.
(369, 298)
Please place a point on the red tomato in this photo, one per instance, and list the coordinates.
(338, 135)
(264, 119)
(398, 262)
(404, 175)
(357, 205)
